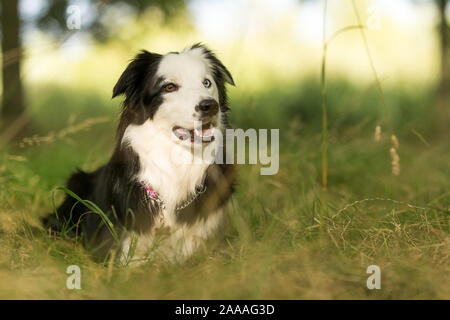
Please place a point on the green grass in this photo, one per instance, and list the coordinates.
(273, 244)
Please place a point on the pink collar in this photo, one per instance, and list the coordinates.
(150, 192)
(154, 196)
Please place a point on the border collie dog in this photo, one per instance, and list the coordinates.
(161, 196)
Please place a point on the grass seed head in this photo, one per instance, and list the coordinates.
(395, 162)
(394, 141)
(377, 135)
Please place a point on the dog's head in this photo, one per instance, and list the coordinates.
(176, 91)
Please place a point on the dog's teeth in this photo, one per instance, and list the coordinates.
(199, 132)
(207, 132)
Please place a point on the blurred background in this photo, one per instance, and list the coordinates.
(281, 239)
(56, 52)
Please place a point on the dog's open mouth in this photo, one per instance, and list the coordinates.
(205, 133)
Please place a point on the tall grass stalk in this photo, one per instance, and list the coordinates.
(324, 101)
(374, 70)
(394, 140)
(325, 44)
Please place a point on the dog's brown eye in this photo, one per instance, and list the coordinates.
(170, 87)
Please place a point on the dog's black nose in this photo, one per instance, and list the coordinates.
(208, 107)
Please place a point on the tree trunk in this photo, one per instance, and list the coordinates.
(443, 112)
(445, 49)
(13, 106)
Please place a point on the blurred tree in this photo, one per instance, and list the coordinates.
(443, 107)
(13, 104)
(445, 46)
(53, 19)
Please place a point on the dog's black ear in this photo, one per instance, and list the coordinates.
(220, 71)
(133, 78)
(219, 68)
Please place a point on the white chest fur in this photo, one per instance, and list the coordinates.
(169, 168)
(171, 244)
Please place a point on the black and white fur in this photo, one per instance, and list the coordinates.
(145, 151)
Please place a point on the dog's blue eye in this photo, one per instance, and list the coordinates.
(207, 83)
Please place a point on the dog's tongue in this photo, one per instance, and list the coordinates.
(182, 131)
